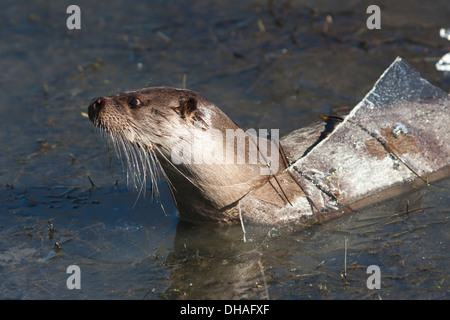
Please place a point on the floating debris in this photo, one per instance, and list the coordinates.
(444, 63)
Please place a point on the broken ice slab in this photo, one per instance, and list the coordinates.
(399, 133)
(397, 138)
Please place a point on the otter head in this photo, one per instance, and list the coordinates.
(148, 117)
(183, 134)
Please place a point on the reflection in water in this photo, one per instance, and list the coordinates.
(212, 262)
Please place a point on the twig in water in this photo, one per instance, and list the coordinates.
(242, 222)
(345, 257)
(264, 279)
(92, 182)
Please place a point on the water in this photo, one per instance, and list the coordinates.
(64, 199)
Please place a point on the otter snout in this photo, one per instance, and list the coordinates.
(95, 106)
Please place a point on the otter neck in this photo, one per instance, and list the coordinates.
(210, 170)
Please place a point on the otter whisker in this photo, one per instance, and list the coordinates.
(138, 162)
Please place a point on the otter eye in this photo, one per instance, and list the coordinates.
(134, 102)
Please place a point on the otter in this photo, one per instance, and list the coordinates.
(150, 123)
(338, 165)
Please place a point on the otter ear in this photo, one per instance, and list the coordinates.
(188, 110)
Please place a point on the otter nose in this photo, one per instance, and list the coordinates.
(97, 103)
(95, 106)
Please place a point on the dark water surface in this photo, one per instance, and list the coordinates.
(267, 64)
